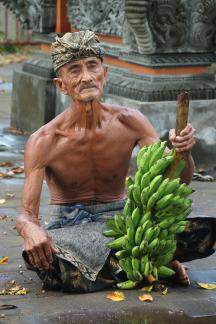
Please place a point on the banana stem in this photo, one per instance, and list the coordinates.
(181, 122)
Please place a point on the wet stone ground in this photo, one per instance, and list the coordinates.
(180, 305)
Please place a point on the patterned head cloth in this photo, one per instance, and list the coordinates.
(74, 46)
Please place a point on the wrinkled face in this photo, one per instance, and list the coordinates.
(82, 80)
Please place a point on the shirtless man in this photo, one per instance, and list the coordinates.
(84, 152)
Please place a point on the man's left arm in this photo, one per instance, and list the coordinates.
(184, 144)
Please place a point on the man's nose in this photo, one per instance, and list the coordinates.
(86, 76)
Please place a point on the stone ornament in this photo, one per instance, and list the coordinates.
(38, 15)
(101, 16)
(170, 26)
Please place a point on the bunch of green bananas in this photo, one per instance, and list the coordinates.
(155, 211)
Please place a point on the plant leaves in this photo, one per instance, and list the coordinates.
(165, 291)
(206, 285)
(4, 260)
(146, 297)
(116, 296)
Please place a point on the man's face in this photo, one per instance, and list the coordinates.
(82, 80)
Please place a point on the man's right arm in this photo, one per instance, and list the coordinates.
(37, 244)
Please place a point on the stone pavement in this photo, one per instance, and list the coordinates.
(180, 305)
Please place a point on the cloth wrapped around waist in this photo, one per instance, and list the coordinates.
(77, 232)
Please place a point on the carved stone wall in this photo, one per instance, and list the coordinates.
(170, 26)
(104, 17)
(39, 15)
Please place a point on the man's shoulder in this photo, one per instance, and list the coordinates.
(46, 133)
(124, 111)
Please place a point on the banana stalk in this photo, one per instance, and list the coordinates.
(181, 121)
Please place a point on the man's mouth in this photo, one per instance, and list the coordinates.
(88, 88)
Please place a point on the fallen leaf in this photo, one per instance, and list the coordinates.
(6, 175)
(10, 195)
(17, 170)
(2, 201)
(165, 291)
(151, 278)
(147, 288)
(14, 288)
(206, 285)
(4, 260)
(146, 297)
(6, 164)
(116, 296)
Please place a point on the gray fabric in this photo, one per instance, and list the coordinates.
(83, 244)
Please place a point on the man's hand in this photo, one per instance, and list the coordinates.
(38, 246)
(185, 141)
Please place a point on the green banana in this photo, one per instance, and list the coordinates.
(117, 243)
(143, 246)
(184, 190)
(140, 154)
(129, 181)
(135, 264)
(122, 264)
(148, 234)
(129, 284)
(146, 225)
(128, 221)
(152, 201)
(131, 234)
(154, 185)
(126, 246)
(172, 186)
(138, 177)
(120, 224)
(137, 275)
(111, 233)
(153, 246)
(145, 217)
(158, 154)
(162, 187)
(136, 194)
(160, 166)
(128, 208)
(111, 225)
(145, 181)
(136, 217)
(144, 196)
(164, 201)
(165, 272)
(139, 235)
(121, 254)
(144, 260)
(136, 251)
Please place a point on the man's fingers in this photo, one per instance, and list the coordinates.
(29, 254)
(172, 134)
(48, 253)
(55, 250)
(186, 130)
(184, 143)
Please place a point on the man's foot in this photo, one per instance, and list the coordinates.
(181, 273)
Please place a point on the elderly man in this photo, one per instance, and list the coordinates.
(84, 155)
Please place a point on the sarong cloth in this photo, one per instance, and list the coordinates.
(85, 264)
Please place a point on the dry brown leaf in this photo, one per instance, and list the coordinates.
(4, 260)
(116, 296)
(17, 170)
(147, 288)
(146, 297)
(14, 288)
(206, 285)
(2, 201)
(5, 175)
(6, 164)
(151, 278)
(165, 291)
(10, 195)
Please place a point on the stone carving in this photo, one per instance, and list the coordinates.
(104, 17)
(136, 13)
(167, 20)
(203, 27)
(38, 15)
(170, 26)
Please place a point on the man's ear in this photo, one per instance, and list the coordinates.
(105, 71)
(60, 85)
